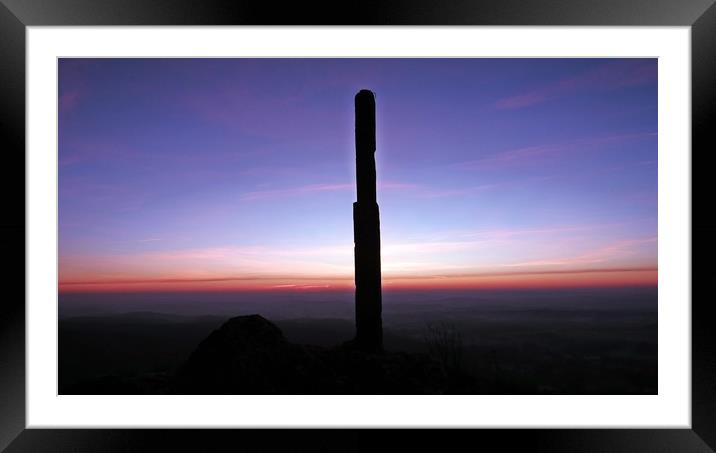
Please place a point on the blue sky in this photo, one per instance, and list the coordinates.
(239, 173)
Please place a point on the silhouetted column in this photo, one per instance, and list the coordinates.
(366, 230)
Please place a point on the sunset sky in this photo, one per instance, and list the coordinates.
(239, 174)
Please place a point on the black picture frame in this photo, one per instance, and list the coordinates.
(16, 15)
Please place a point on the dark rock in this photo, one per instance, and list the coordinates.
(249, 355)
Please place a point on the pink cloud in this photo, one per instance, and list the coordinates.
(516, 232)
(261, 113)
(73, 84)
(68, 101)
(416, 189)
(609, 253)
(520, 101)
(316, 188)
(428, 192)
(78, 151)
(528, 153)
(609, 76)
(314, 266)
(295, 191)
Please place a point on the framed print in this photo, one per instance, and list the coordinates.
(400, 217)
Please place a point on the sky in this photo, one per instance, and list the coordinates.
(239, 174)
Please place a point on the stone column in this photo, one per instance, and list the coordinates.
(366, 230)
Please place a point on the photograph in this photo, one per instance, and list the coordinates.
(330, 227)
(357, 226)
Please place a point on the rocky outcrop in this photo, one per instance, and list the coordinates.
(249, 355)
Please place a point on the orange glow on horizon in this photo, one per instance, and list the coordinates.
(506, 280)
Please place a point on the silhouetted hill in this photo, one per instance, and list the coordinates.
(250, 355)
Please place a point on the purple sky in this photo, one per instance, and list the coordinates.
(239, 173)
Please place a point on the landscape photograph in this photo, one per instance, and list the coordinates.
(357, 226)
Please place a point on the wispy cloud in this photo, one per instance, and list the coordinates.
(217, 279)
(434, 192)
(82, 151)
(606, 77)
(418, 190)
(73, 84)
(504, 233)
(604, 254)
(267, 112)
(509, 279)
(319, 188)
(522, 100)
(462, 275)
(295, 191)
(68, 101)
(469, 258)
(429, 247)
(529, 153)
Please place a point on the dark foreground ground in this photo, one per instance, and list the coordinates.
(568, 342)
